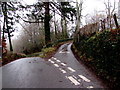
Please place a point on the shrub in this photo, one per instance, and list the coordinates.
(47, 51)
(104, 49)
(7, 58)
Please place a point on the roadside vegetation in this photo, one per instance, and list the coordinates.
(9, 57)
(101, 52)
(39, 29)
(45, 53)
(35, 30)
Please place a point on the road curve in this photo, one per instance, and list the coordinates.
(60, 71)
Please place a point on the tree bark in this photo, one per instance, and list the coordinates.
(55, 27)
(6, 20)
(66, 34)
(62, 28)
(46, 24)
(116, 22)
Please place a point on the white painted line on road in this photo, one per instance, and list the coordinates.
(74, 81)
(90, 87)
(56, 65)
(58, 60)
(55, 58)
(63, 64)
(63, 71)
(84, 78)
(74, 76)
(64, 52)
(51, 61)
(61, 52)
(71, 69)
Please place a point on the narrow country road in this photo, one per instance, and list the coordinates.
(61, 71)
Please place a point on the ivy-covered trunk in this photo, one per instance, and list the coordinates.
(46, 24)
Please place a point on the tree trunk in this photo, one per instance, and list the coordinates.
(46, 24)
(6, 20)
(116, 22)
(3, 36)
(62, 28)
(66, 34)
(55, 27)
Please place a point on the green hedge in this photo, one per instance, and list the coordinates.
(104, 50)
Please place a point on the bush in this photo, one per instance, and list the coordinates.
(9, 57)
(47, 51)
(104, 49)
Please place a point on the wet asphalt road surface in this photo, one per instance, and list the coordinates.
(60, 71)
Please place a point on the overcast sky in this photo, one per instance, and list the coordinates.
(89, 6)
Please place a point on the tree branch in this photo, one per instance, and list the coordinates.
(30, 21)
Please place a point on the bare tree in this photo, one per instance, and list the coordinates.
(110, 9)
(31, 38)
(79, 7)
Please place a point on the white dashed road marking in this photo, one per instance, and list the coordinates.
(71, 69)
(63, 52)
(74, 76)
(63, 71)
(84, 78)
(90, 87)
(55, 58)
(51, 61)
(71, 78)
(74, 81)
(63, 64)
(58, 60)
(56, 65)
